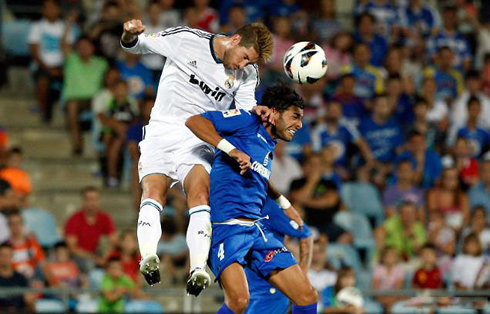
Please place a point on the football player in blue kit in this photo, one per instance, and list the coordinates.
(239, 185)
(265, 298)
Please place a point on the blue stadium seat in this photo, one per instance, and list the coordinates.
(340, 255)
(363, 198)
(95, 277)
(14, 37)
(364, 278)
(87, 305)
(372, 307)
(50, 306)
(358, 225)
(42, 224)
(143, 306)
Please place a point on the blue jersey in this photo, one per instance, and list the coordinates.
(369, 80)
(456, 42)
(387, 16)
(423, 20)
(378, 46)
(479, 139)
(382, 139)
(231, 194)
(138, 78)
(432, 167)
(263, 296)
(449, 84)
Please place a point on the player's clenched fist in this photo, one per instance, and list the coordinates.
(132, 29)
(242, 159)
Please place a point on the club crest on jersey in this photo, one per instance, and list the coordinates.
(231, 113)
(230, 82)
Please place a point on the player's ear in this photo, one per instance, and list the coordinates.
(235, 39)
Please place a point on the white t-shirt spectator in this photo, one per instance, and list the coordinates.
(4, 229)
(48, 37)
(284, 171)
(438, 112)
(466, 268)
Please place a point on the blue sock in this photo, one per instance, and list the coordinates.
(224, 310)
(304, 309)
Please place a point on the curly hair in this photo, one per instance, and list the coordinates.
(281, 97)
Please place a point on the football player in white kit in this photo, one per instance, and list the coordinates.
(202, 72)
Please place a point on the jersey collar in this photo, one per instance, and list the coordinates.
(211, 47)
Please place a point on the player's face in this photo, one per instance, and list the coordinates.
(237, 57)
(288, 122)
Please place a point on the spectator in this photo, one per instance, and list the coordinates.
(8, 200)
(467, 266)
(326, 25)
(449, 79)
(321, 274)
(419, 19)
(338, 54)
(433, 136)
(399, 100)
(480, 193)
(438, 109)
(237, 18)
(403, 190)
(427, 163)
(208, 18)
(106, 32)
(369, 79)
(63, 272)
(282, 42)
(285, 8)
(449, 199)
(127, 253)
(46, 39)
(449, 36)
(402, 232)
(478, 137)
(479, 226)
(346, 277)
(388, 275)
(366, 33)
(386, 15)
(83, 78)
(153, 25)
(9, 278)
(466, 165)
(300, 146)
(169, 17)
(115, 286)
(320, 199)
(443, 238)
(285, 169)
(173, 249)
(28, 256)
(121, 113)
(395, 64)
(139, 78)
(84, 229)
(353, 107)
(13, 173)
(428, 276)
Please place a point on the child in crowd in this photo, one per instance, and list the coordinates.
(346, 277)
(388, 275)
(322, 276)
(127, 252)
(428, 276)
(467, 266)
(63, 272)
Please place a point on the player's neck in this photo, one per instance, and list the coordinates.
(270, 130)
(219, 44)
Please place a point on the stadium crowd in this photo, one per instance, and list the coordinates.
(391, 168)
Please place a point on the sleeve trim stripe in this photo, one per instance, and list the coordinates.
(129, 45)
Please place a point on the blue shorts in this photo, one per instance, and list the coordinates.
(264, 297)
(246, 245)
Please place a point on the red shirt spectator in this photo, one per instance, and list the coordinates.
(428, 276)
(127, 252)
(207, 17)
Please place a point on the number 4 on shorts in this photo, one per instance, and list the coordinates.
(221, 251)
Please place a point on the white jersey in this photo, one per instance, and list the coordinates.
(194, 80)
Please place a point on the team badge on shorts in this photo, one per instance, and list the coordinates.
(230, 82)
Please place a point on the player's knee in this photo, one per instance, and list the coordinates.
(155, 193)
(199, 197)
(239, 304)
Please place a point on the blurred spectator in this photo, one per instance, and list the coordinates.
(433, 136)
(438, 108)
(366, 33)
(169, 17)
(115, 286)
(320, 198)
(208, 18)
(285, 169)
(427, 163)
(127, 253)
(466, 165)
(353, 107)
(13, 173)
(403, 190)
(395, 64)
(46, 39)
(449, 36)
(321, 274)
(428, 276)
(139, 78)
(3, 144)
(369, 79)
(28, 256)
(173, 249)
(282, 42)
(480, 193)
(449, 79)
(338, 54)
(479, 138)
(399, 100)
(479, 226)
(419, 19)
(467, 266)
(106, 32)
(443, 238)
(237, 17)
(84, 229)
(121, 113)
(388, 275)
(402, 232)
(300, 146)
(9, 278)
(449, 199)
(326, 25)
(63, 272)
(386, 15)
(346, 277)
(83, 78)
(153, 24)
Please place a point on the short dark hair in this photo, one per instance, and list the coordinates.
(60, 244)
(362, 16)
(113, 259)
(428, 246)
(413, 133)
(5, 245)
(473, 99)
(84, 37)
(346, 76)
(378, 96)
(15, 212)
(281, 97)
(87, 189)
(421, 100)
(473, 74)
(15, 150)
(394, 76)
(444, 48)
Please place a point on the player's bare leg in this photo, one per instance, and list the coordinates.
(198, 235)
(235, 287)
(155, 187)
(296, 286)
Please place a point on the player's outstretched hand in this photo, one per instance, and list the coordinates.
(265, 113)
(132, 29)
(293, 214)
(242, 159)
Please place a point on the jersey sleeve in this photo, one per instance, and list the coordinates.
(232, 121)
(280, 223)
(165, 43)
(245, 95)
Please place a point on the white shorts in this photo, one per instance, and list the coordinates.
(172, 150)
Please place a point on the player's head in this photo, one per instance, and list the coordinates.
(287, 109)
(474, 107)
(250, 44)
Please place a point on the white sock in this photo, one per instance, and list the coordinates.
(149, 227)
(199, 236)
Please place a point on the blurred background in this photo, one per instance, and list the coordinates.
(391, 168)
